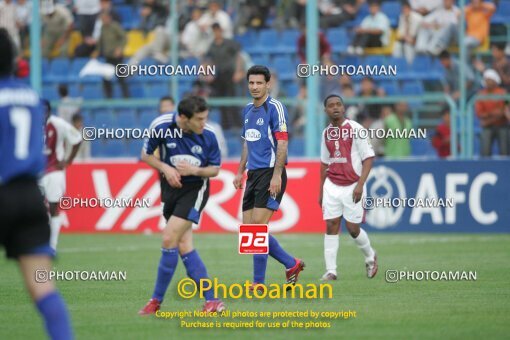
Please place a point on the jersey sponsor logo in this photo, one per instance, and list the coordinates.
(186, 158)
(252, 135)
(197, 149)
(171, 145)
(260, 121)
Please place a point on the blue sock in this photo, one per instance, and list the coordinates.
(196, 270)
(259, 267)
(53, 309)
(166, 269)
(280, 255)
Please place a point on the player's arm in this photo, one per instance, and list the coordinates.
(324, 166)
(73, 137)
(238, 180)
(281, 156)
(185, 169)
(147, 156)
(367, 155)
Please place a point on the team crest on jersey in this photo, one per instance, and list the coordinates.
(260, 121)
(197, 149)
(246, 121)
(171, 145)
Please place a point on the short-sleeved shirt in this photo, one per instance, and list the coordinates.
(58, 133)
(176, 146)
(259, 131)
(344, 155)
(379, 21)
(397, 147)
(21, 131)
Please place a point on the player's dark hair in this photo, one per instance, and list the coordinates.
(499, 46)
(191, 105)
(169, 98)
(7, 55)
(444, 55)
(77, 118)
(63, 90)
(332, 96)
(46, 105)
(216, 26)
(259, 69)
(405, 3)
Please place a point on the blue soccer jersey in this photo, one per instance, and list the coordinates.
(175, 145)
(21, 131)
(261, 124)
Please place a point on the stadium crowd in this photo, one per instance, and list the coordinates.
(419, 36)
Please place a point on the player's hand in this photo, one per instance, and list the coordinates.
(356, 193)
(185, 169)
(275, 185)
(61, 165)
(172, 176)
(238, 181)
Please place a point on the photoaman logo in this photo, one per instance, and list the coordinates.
(253, 239)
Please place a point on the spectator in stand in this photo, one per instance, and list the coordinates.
(441, 139)
(8, 21)
(491, 114)
(224, 54)
(451, 75)
(87, 12)
(107, 6)
(67, 106)
(408, 24)
(369, 89)
(154, 17)
(216, 15)
(110, 45)
(253, 13)
(195, 40)
(398, 147)
(324, 47)
(84, 149)
(425, 7)
(23, 19)
(478, 17)
(335, 13)
(166, 105)
(374, 30)
(57, 27)
(500, 64)
(439, 29)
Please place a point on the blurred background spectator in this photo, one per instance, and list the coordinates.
(67, 106)
(398, 120)
(500, 64)
(57, 27)
(478, 16)
(373, 31)
(451, 75)
(491, 114)
(408, 23)
(442, 135)
(438, 29)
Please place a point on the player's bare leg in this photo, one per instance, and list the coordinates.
(186, 243)
(55, 225)
(361, 239)
(331, 245)
(43, 293)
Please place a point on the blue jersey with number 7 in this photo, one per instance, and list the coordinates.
(21, 131)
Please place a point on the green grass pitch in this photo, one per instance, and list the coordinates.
(403, 310)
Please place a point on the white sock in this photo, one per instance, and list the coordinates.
(331, 243)
(363, 244)
(55, 230)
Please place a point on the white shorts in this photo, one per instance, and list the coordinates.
(337, 201)
(53, 185)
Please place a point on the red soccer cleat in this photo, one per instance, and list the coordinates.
(214, 306)
(292, 273)
(257, 286)
(151, 307)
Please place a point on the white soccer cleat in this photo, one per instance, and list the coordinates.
(372, 267)
(329, 276)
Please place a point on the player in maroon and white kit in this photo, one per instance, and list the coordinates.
(346, 161)
(58, 134)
